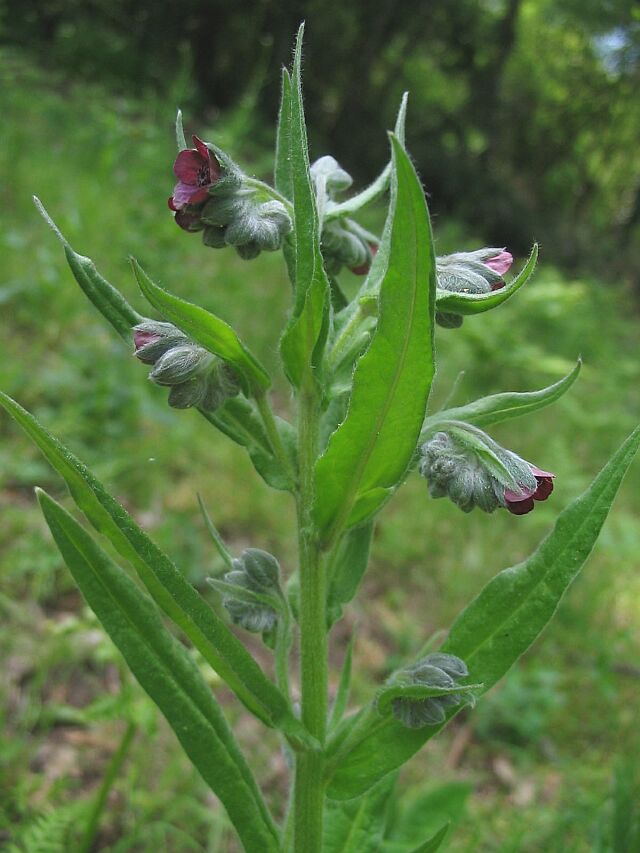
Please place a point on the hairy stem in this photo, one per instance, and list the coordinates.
(309, 785)
(271, 428)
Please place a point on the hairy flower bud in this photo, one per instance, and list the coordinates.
(258, 572)
(467, 466)
(328, 172)
(473, 272)
(194, 375)
(438, 670)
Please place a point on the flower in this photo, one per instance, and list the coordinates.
(196, 169)
(467, 466)
(521, 502)
(473, 272)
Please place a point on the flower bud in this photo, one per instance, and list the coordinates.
(259, 572)
(328, 171)
(437, 670)
(467, 466)
(262, 227)
(343, 244)
(473, 272)
(194, 375)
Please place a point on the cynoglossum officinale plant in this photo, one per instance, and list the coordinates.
(360, 369)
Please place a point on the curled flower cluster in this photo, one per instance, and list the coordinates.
(472, 470)
(437, 670)
(343, 241)
(259, 572)
(211, 196)
(194, 375)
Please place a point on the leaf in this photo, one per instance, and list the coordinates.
(368, 455)
(358, 826)
(165, 583)
(238, 420)
(303, 339)
(283, 179)
(348, 570)
(504, 407)
(434, 842)
(181, 142)
(494, 630)
(476, 303)
(388, 693)
(342, 695)
(206, 329)
(429, 813)
(167, 673)
(109, 301)
(337, 210)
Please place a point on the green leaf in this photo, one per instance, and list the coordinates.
(167, 673)
(503, 407)
(476, 303)
(241, 593)
(206, 329)
(388, 693)
(344, 686)
(494, 630)
(109, 301)
(427, 814)
(283, 178)
(303, 339)
(380, 185)
(358, 826)
(434, 842)
(368, 455)
(348, 569)
(166, 584)
(238, 420)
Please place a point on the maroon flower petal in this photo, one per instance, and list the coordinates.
(172, 204)
(521, 494)
(545, 487)
(520, 507)
(184, 193)
(188, 221)
(188, 165)
(497, 285)
(209, 157)
(500, 263)
(141, 339)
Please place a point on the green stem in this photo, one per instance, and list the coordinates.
(110, 777)
(271, 428)
(309, 784)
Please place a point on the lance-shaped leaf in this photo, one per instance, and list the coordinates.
(434, 843)
(371, 193)
(493, 632)
(475, 303)
(503, 407)
(109, 301)
(205, 329)
(351, 562)
(238, 420)
(283, 176)
(358, 826)
(167, 673)
(344, 687)
(369, 453)
(165, 583)
(303, 339)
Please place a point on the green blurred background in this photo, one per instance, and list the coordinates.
(523, 121)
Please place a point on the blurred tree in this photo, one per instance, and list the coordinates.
(524, 114)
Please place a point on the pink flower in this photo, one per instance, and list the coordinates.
(521, 502)
(141, 338)
(196, 170)
(500, 264)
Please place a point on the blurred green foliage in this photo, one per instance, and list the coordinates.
(515, 104)
(542, 754)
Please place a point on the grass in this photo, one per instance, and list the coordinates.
(541, 750)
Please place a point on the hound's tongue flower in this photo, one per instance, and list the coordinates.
(520, 503)
(501, 263)
(196, 169)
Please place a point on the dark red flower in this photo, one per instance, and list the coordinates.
(521, 502)
(363, 269)
(196, 170)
